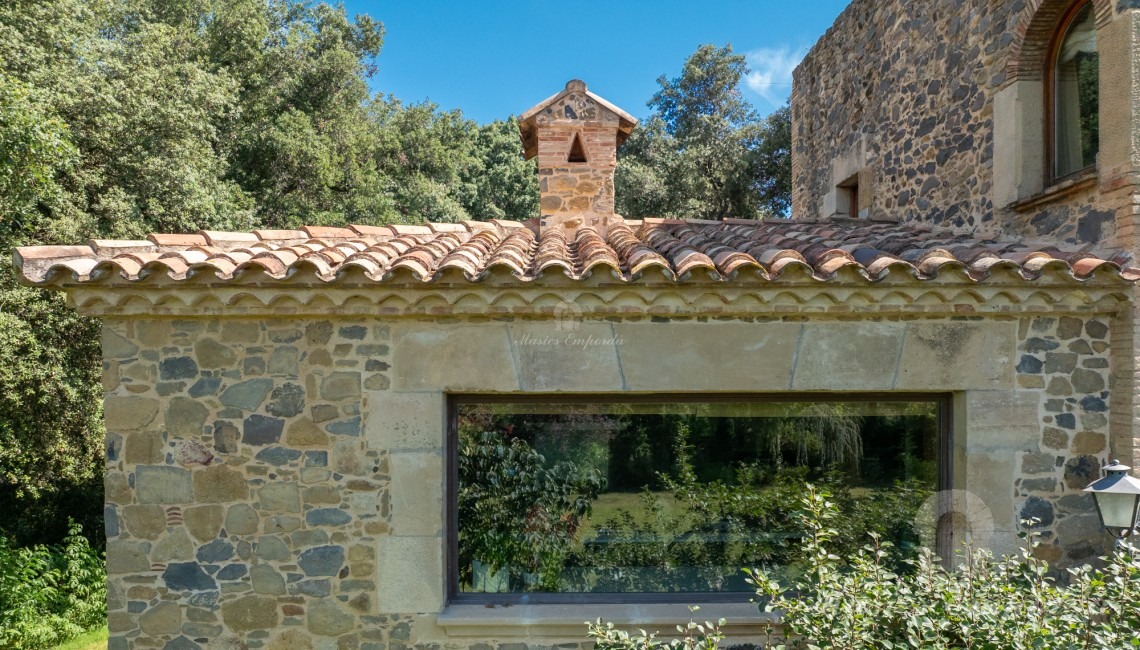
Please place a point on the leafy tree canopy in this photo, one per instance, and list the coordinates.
(704, 152)
(119, 118)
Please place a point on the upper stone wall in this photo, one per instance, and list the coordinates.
(901, 99)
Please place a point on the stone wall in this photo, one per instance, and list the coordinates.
(243, 506)
(279, 482)
(1067, 358)
(916, 101)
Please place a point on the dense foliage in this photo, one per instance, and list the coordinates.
(123, 117)
(704, 152)
(733, 525)
(533, 503)
(520, 516)
(119, 118)
(857, 602)
(178, 115)
(50, 422)
(49, 594)
(692, 636)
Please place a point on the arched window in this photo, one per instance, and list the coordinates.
(1074, 94)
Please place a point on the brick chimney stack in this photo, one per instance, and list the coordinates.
(575, 135)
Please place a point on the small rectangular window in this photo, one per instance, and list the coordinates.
(847, 198)
(611, 499)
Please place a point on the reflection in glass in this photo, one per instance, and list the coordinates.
(1076, 88)
(676, 497)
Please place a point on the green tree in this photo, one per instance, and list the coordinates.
(121, 118)
(441, 166)
(303, 142)
(706, 99)
(34, 147)
(191, 114)
(770, 164)
(501, 185)
(705, 153)
(51, 431)
(422, 154)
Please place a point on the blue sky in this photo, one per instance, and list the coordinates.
(493, 59)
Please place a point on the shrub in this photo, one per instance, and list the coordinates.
(985, 603)
(51, 429)
(693, 636)
(49, 594)
(861, 603)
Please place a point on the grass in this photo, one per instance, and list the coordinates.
(93, 640)
(610, 504)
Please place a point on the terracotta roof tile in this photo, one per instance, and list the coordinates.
(409, 229)
(227, 239)
(274, 235)
(446, 227)
(112, 247)
(179, 240)
(682, 250)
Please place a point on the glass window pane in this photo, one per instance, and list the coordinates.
(1076, 88)
(677, 497)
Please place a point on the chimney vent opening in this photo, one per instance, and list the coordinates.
(577, 151)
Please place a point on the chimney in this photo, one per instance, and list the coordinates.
(575, 135)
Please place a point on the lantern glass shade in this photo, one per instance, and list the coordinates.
(1117, 498)
(1118, 511)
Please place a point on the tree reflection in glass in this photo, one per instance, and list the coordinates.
(657, 497)
(1076, 90)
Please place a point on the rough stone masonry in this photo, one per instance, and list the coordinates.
(575, 135)
(935, 111)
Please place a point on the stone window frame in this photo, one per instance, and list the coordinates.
(847, 171)
(1022, 161)
(459, 606)
(847, 199)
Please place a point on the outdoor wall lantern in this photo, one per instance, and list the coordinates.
(1117, 498)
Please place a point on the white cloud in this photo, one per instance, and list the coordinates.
(771, 75)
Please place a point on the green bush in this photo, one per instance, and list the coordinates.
(694, 636)
(716, 525)
(503, 482)
(49, 594)
(51, 429)
(860, 602)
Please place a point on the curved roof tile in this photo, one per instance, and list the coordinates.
(681, 249)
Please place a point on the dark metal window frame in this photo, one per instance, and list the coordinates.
(944, 402)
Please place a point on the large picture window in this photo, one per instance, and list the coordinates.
(1075, 93)
(595, 499)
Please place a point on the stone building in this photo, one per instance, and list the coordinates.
(996, 121)
(297, 420)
